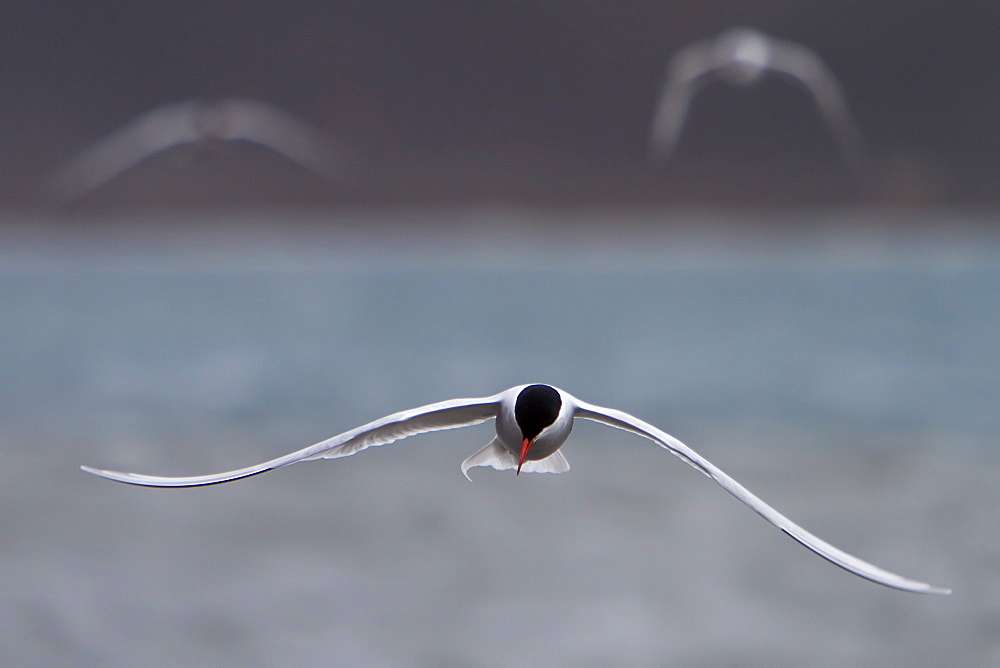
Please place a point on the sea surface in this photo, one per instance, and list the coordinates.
(845, 370)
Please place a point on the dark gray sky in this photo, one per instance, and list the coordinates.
(564, 82)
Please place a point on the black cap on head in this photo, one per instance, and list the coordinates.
(536, 408)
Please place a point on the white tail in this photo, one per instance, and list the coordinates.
(496, 455)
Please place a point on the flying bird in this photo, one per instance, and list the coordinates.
(196, 122)
(532, 423)
(742, 57)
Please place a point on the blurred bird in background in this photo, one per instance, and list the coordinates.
(743, 57)
(197, 122)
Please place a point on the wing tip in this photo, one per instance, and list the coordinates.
(94, 471)
(130, 478)
(937, 591)
(143, 480)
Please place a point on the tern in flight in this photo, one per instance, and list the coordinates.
(532, 423)
(742, 57)
(196, 122)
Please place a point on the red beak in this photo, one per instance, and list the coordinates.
(524, 453)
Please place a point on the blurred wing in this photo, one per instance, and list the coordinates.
(804, 68)
(685, 76)
(620, 420)
(434, 417)
(262, 124)
(150, 134)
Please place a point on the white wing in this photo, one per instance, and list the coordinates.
(685, 77)
(150, 134)
(620, 420)
(272, 128)
(433, 417)
(171, 125)
(803, 67)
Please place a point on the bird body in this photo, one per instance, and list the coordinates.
(532, 424)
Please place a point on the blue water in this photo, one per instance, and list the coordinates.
(850, 381)
(835, 347)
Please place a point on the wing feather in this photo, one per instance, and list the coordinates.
(433, 417)
(621, 420)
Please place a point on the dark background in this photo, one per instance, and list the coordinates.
(516, 101)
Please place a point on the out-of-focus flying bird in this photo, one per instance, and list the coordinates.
(742, 57)
(195, 122)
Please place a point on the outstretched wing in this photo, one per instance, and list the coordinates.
(686, 75)
(621, 420)
(804, 68)
(150, 134)
(433, 417)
